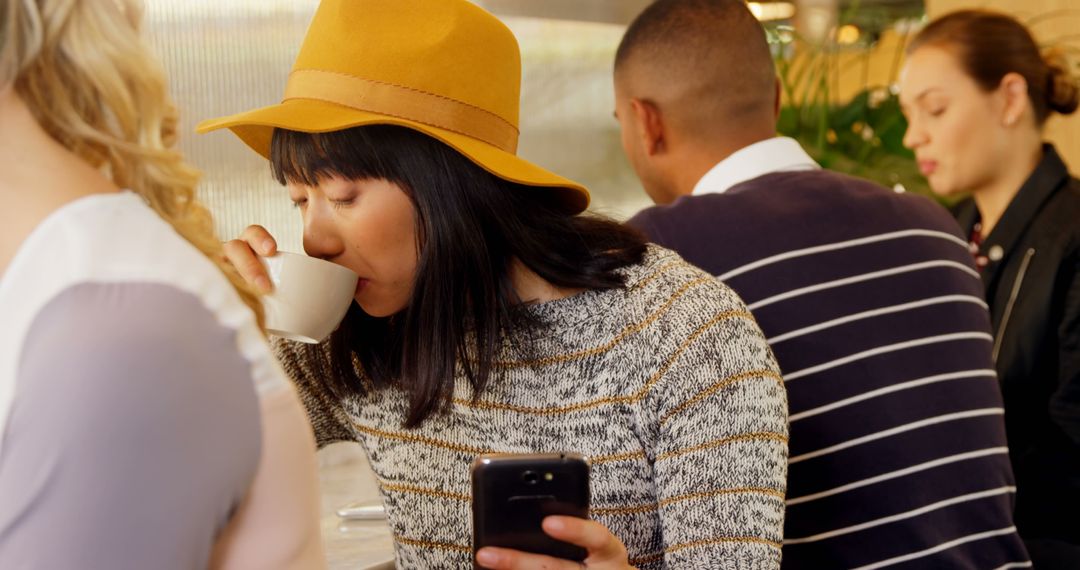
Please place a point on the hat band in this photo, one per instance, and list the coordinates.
(403, 103)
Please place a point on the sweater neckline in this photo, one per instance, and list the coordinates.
(592, 303)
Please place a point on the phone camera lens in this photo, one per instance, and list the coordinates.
(530, 477)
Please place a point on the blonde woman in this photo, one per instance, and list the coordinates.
(143, 420)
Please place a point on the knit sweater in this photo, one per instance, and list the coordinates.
(666, 386)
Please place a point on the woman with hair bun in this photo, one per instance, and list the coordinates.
(977, 91)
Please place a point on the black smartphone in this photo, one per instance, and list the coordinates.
(511, 495)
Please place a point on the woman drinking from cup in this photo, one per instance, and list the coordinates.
(492, 316)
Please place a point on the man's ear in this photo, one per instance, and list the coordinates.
(1014, 88)
(650, 125)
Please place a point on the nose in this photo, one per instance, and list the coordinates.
(321, 238)
(914, 136)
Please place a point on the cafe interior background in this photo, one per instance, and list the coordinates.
(838, 61)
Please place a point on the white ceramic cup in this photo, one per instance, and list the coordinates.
(310, 296)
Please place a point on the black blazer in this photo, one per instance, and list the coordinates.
(1033, 288)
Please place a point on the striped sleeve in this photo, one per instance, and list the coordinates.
(720, 454)
(309, 368)
(896, 419)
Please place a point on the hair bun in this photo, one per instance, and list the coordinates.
(1062, 91)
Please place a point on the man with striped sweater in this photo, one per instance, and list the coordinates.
(869, 299)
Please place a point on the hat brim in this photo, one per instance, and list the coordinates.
(256, 128)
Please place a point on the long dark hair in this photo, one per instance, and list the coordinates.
(989, 45)
(471, 225)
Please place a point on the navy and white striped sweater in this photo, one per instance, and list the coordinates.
(875, 312)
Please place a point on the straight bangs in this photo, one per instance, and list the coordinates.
(471, 227)
(308, 158)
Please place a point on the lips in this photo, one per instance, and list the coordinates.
(360, 284)
(928, 167)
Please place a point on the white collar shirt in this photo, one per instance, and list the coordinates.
(778, 154)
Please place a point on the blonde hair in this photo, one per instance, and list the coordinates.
(94, 86)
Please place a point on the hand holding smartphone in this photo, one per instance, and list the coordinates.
(512, 494)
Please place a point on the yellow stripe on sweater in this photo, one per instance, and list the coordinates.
(638, 509)
(699, 543)
(435, 545)
(627, 399)
(626, 332)
(720, 386)
(760, 436)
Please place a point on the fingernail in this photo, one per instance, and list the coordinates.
(262, 283)
(555, 523)
(267, 246)
(487, 557)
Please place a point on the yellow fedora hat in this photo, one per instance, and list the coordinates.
(445, 68)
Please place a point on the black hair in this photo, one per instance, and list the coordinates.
(471, 226)
(716, 51)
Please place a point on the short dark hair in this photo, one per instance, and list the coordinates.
(471, 225)
(990, 44)
(716, 47)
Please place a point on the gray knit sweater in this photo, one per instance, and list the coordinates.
(667, 387)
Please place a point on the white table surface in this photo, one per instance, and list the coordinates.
(351, 545)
